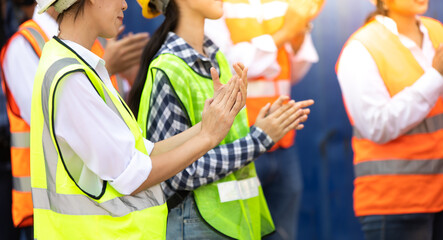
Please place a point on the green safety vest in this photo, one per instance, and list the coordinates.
(234, 205)
(62, 210)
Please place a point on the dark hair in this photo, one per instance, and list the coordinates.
(149, 52)
(78, 8)
(380, 10)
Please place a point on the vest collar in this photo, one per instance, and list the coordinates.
(90, 58)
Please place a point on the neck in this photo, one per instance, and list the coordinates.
(70, 30)
(406, 24)
(191, 29)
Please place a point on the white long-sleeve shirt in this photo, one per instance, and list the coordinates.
(94, 140)
(378, 116)
(96, 143)
(260, 54)
(20, 65)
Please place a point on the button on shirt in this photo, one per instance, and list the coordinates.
(96, 143)
(378, 116)
(167, 118)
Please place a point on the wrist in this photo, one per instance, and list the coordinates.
(206, 139)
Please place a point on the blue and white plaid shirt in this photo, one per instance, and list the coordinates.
(168, 118)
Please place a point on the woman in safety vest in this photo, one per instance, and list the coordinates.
(219, 196)
(391, 76)
(93, 175)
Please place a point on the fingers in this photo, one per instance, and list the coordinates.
(237, 106)
(281, 100)
(238, 68)
(264, 111)
(215, 79)
(225, 91)
(306, 103)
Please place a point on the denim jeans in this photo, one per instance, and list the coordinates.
(421, 226)
(186, 223)
(280, 176)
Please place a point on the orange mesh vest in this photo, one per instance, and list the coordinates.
(22, 212)
(243, 27)
(404, 175)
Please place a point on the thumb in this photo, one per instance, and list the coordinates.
(215, 79)
(264, 111)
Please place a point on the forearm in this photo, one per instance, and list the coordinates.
(168, 164)
(175, 141)
(222, 160)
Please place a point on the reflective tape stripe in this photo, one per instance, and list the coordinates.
(238, 190)
(261, 88)
(265, 11)
(20, 139)
(83, 205)
(398, 167)
(103, 41)
(21, 184)
(429, 125)
(51, 155)
(37, 36)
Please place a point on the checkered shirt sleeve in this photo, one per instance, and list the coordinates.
(167, 118)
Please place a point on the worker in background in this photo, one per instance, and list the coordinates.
(169, 93)
(391, 76)
(272, 38)
(93, 174)
(19, 60)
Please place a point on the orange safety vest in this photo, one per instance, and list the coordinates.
(22, 212)
(404, 175)
(243, 27)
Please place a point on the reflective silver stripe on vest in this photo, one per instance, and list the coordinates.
(20, 139)
(49, 150)
(238, 190)
(37, 36)
(81, 204)
(399, 167)
(21, 184)
(429, 125)
(103, 41)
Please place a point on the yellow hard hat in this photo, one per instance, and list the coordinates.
(153, 8)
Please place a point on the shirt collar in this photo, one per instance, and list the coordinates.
(46, 22)
(391, 25)
(179, 47)
(89, 57)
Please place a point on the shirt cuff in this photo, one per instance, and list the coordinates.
(264, 43)
(262, 137)
(134, 175)
(430, 85)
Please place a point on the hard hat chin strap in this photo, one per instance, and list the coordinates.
(62, 5)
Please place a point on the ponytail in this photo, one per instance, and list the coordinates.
(149, 52)
(380, 10)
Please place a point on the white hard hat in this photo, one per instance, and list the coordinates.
(59, 5)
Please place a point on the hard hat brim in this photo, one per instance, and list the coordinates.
(41, 8)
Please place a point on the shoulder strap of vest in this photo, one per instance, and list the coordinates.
(34, 34)
(435, 29)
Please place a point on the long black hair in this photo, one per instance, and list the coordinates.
(380, 10)
(152, 47)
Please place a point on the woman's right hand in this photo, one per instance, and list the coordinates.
(283, 118)
(219, 112)
(438, 59)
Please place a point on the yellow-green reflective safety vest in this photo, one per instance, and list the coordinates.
(234, 205)
(62, 210)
